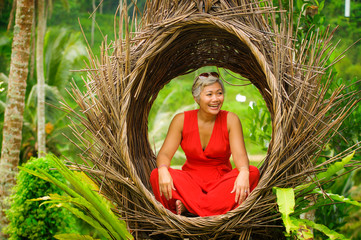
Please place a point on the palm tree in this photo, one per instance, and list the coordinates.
(13, 119)
(63, 50)
(41, 78)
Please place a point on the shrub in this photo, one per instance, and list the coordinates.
(30, 219)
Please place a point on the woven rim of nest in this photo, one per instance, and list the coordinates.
(178, 37)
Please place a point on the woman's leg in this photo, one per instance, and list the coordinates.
(219, 198)
(188, 191)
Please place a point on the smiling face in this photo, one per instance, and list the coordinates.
(211, 99)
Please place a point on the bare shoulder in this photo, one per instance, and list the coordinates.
(179, 117)
(232, 118)
(177, 121)
(233, 121)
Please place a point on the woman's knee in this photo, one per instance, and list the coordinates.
(254, 170)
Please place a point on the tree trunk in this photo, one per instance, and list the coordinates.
(13, 120)
(41, 79)
(32, 50)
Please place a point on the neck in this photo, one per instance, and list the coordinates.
(206, 117)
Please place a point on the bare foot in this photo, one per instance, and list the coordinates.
(180, 207)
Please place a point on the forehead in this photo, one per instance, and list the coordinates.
(213, 87)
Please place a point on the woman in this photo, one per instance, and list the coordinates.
(206, 185)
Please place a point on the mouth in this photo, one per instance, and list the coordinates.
(214, 106)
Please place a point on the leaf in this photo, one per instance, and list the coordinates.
(320, 7)
(73, 236)
(301, 229)
(87, 180)
(299, 4)
(97, 220)
(335, 167)
(328, 232)
(339, 198)
(47, 177)
(95, 209)
(91, 221)
(286, 203)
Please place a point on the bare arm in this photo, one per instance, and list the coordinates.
(172, 141)
(166, 153)
(240, 158)
(236, 140)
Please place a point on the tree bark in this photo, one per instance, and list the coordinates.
(33, 50)
(41, 78)
(13, 120)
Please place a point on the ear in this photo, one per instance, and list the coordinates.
(196, 100)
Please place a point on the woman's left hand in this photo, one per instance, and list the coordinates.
(241, 186)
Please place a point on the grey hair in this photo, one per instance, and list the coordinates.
(201, 82)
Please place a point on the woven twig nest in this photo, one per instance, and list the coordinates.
(176, 38)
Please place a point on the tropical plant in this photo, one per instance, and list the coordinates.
(41, 28)
(83, 201)
(64, 50)
(55, 126)
(14, 109)
(287, 200)
(259, 123)
(342, 217)
(313, 15)
(31, 219)
(352, 222)
(5, 52)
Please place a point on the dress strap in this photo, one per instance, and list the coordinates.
(190, 121)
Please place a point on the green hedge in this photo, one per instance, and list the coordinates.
(30, 219)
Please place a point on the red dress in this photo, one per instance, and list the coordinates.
(206, 180)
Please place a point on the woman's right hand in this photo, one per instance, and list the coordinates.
(165, 183)
(166, 153)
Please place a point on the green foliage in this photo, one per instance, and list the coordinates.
(349, 133)
(5, 52)
(73, 236)
(344, 218)
(345, 72)
(334, 168)
(352, 223)
(287, 203)
(82, 201)
(259, 124)
(29, 220)
(349, 68)
(317, 15)
(5, 9)
(64, 51)
(295, 226)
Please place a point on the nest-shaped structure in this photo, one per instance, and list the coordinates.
(175, 37)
